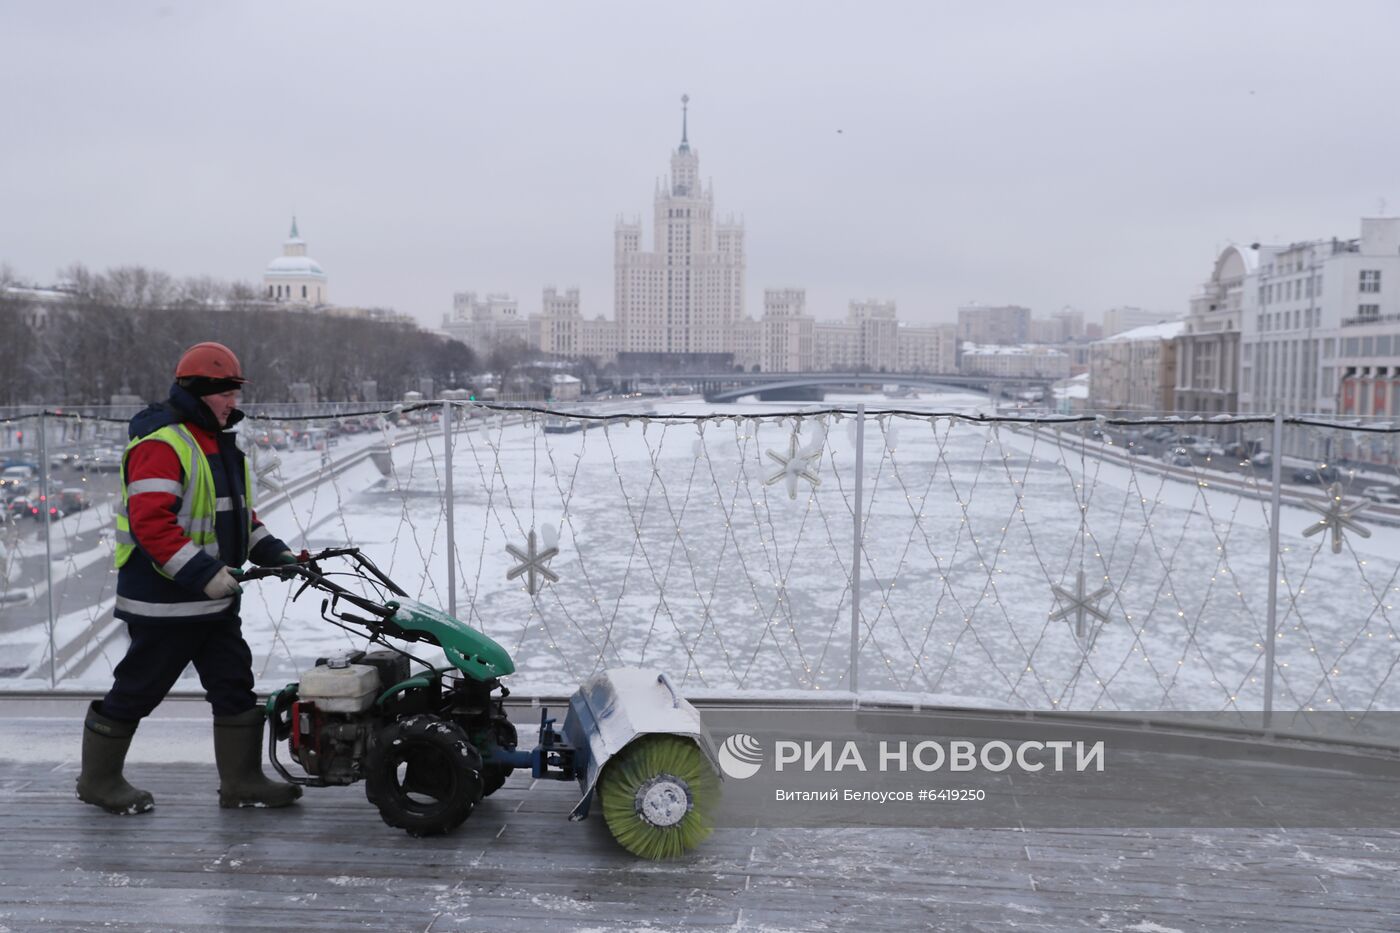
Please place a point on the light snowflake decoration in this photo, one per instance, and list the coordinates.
(798, 464)
(1079, 605)
(532, 562)
(1337, 516)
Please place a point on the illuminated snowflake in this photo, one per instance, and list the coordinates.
(798, 464)
(1337, 516)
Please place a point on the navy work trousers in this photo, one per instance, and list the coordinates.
(159, 654)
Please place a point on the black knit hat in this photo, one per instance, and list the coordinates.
(201, 386)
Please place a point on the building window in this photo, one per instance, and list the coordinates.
(1368, 312)
(1371, 280)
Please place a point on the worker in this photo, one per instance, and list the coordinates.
(185, 523)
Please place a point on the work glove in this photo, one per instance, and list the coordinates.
(222, 585)
(286, 557)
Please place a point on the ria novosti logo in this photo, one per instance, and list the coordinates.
(740, 756)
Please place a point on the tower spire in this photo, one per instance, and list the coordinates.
(685, 106)
(295, 235)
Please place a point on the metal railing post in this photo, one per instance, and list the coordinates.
(44, 493)
(451, 512)
(1272, 634)
(856, 549)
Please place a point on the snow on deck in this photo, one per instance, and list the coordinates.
(330, 864)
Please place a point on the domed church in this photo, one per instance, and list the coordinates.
(295, 276)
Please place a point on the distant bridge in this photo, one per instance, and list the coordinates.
(812, 386)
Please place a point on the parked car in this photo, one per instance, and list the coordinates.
(1262, 460)
(1205, 447)
(1177, 456)
(1384, 495)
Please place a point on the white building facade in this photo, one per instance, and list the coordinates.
(1033, 361)
(294, 276)
(1118, 320)
(1321, 323)
(788, 333)
(687, 294)
(1208, 350)
(1135, 371)
(1003, 324)
(486, 322)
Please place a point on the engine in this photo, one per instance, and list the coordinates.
(330, 723)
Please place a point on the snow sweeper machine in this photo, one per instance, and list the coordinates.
(430, 741)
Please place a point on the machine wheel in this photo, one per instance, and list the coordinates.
(424, 775)
(494, 775)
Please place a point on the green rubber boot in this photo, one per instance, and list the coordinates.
(238, 745)
(101, 784)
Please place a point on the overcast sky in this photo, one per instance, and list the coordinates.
(1043, 154)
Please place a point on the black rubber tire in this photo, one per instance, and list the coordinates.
(280, 718)
(494, 775)
(424, 775)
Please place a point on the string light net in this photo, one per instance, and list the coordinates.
(691, 542)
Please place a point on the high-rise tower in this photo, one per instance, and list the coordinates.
(686, 295)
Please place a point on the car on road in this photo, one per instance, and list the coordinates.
(1177, 456)
(36, 510)
(17, 475)
(1383, 495)
(1316, 475)
(1205, 447)
(73, 499)
(1244, 450)
(104, 460)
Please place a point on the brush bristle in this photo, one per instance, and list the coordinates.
(638, 763)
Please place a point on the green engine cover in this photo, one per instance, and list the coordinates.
(471, 652)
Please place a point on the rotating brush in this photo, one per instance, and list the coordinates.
(658, 795)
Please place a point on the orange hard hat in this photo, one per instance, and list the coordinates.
(210, 360)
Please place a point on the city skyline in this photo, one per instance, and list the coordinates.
(937, 158)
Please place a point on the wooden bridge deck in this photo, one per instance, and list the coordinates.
(330, 864)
